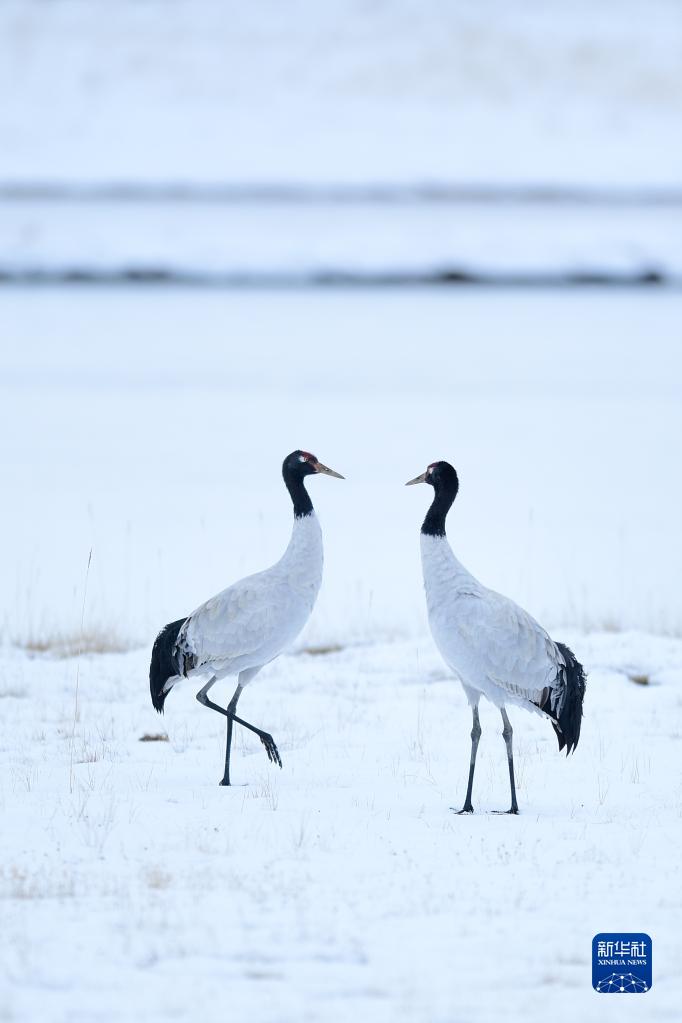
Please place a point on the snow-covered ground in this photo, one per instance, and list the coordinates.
(341, 91)
(132, 886)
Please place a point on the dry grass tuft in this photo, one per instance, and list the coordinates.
(64, 644)
(153, 737)
(17, 883)
(158, 878)
(88, 756)
(641, 680)
(322, 651)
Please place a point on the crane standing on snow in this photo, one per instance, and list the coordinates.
(493, 645)
(246, 626)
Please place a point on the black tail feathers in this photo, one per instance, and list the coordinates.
(572, 682)
(564, 702)
(163, 664)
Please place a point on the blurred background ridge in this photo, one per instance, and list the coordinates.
(503, 143)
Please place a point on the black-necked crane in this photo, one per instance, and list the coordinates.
(249, 624)
(495, 648)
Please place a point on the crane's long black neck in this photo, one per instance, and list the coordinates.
(434, 523)
(299, 495)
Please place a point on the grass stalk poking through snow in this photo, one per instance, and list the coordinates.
(78, 666)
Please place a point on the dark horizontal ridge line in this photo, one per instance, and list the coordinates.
(445, 276)
(420, 192)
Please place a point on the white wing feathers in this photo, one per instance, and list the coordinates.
(494, 639)
(232, 623)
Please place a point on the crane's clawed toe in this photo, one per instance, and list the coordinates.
(270, 748)
(465, 809)
(513, 810)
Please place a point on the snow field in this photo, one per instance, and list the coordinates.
(131, 882)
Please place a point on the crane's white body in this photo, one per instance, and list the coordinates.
(250, 623)
(493, 646)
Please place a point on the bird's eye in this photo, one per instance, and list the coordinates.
(302, 458)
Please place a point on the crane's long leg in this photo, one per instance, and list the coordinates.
(507, 733)
(231, 708)
(265, 737)
(475, 736)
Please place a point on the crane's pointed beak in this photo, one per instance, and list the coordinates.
(327, 471)
(417, 479)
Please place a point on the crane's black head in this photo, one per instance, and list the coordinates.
(295, 468)
(443, 478)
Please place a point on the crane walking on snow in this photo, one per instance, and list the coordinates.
(246, 626)
(492, 644)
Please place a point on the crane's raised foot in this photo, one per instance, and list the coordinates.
(270, 748)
